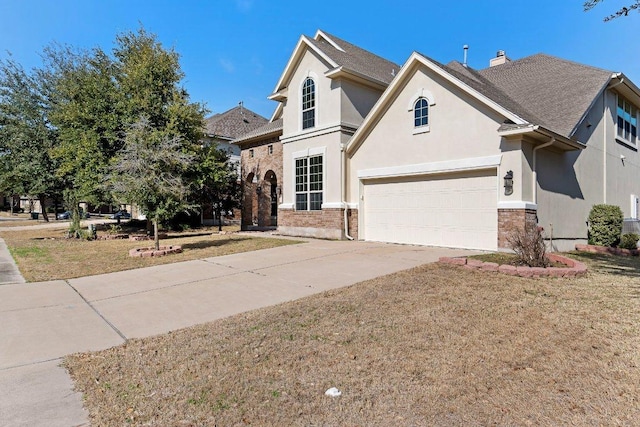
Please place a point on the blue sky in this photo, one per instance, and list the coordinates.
(235, 50)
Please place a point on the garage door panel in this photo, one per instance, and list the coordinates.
(455, 210)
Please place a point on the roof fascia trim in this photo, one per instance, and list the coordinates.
(356, 76)
(591, 105)
(324, 35)
(298, 51)
(277, 113)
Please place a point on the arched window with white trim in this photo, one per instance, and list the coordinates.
(308, 103)
(421, 113)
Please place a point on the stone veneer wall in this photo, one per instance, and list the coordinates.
(326, 223)
(511, 219)
(258, 207)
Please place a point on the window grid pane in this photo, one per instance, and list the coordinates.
(309, 183)
(421, 113)
(627, 120)
(308, 104)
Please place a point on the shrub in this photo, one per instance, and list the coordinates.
(629, 241)
(605, 225)
(528, 244)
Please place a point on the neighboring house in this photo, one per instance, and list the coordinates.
(225, 127)
(445, 155)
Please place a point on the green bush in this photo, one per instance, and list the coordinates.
(605, 225)
(629, 241)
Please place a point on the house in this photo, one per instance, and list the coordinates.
(446, 155)
(221, 129)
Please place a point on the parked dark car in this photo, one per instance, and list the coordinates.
(68, 214)
(64, 215)
(120, 215)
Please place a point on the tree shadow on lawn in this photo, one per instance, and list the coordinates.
(621, 266)
(204, 244)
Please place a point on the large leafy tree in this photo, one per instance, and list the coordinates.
(623, 11)
(149, 171)
(26, 136)
(96, 99)
(149, 76)
(87, 111)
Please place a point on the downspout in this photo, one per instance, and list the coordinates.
(604, 147)
(535, 171)
(343, 188)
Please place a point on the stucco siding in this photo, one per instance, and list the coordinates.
(327, 99)
(356, 101)
(570, 183)
(459, 127)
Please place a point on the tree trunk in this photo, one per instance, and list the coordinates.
(219, 219)
(156, 236)
(43, 208)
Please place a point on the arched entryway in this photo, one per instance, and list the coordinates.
(260, 201)
(271, 182)
(249, 202)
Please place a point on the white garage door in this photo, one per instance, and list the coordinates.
(453, 210)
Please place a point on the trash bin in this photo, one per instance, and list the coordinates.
(34, 215)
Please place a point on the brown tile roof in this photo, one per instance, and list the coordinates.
(357, 59)
(271, 128)
(233, 123)
(557, 91)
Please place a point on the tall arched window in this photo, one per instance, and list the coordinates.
(308, 104)
(421, 112)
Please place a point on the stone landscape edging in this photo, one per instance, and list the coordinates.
(150, 252)
(573, 268)
(607, 250)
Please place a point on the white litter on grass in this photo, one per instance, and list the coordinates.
(333, 392)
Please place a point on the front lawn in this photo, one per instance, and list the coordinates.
(436, 345)
(44, 254)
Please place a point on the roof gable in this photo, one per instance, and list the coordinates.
(342, 58)
(233, 123)
(465, 83)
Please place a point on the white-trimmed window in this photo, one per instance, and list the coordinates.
(627, 121)
(309, 177)
(308, 103)
(419, 106)
(421, 113)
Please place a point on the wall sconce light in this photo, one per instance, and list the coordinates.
(508, 183)
(278, 190)
(259, 190)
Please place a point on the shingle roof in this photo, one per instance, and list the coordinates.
(478, 82)
(269, 128)
(557, 91)
(233, 123)
(357, 59)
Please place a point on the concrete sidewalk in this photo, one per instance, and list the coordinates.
(43, 322)
(9, 272)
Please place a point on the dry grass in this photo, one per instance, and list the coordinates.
(45, 254)
(432, 346)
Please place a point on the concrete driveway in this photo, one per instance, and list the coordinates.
(43, 322)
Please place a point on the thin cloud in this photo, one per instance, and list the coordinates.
(227, 65)
(244, 5)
